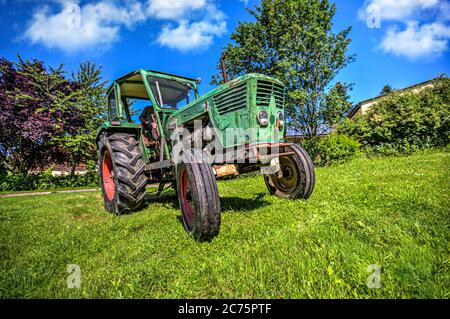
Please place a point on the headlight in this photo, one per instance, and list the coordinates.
(263, 117)
(280, 119)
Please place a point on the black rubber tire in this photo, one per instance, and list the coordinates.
(204, 196)
(129, 172)
(304, 170)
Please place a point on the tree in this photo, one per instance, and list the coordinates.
(36, 106)
(335, 104)
(91, 104)
(386, 89)
(293, 41)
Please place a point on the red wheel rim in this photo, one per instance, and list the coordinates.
(108, 176)
(187, 206)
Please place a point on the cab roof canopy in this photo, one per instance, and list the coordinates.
(132, 85)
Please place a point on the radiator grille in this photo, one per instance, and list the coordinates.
(232, 100)
(265, 90)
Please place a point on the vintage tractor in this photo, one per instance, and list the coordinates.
(236, 128)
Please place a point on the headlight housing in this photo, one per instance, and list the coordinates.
(263, 117)
(280, 119)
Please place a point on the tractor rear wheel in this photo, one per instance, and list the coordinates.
(121, 170)
(298, 178)
(198, 197)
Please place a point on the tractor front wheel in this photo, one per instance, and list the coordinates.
(298, 177)
(121, 171)
(198, 197)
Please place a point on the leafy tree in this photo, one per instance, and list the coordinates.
(386, 89)
(91, 104)
(36, 106)
(335, 104)
(293, 41)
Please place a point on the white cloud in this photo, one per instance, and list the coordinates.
(96, 26)
(397, 9)
(173, 9)
(73, 28)
(187, 36)
(444, 11)
(418, 28)
(428, 40)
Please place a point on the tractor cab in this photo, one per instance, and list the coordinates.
(145, 99)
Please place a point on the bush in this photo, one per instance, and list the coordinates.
(404, 122)
(388, 149)
(45, 181)
(335, 148)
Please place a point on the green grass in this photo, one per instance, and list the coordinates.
(393, 212)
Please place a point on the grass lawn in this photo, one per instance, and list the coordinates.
(392, 212)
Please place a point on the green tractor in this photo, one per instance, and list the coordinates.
(191, 141)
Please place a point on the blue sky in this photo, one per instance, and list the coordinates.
(396, 42)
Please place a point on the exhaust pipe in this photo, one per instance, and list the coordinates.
(224, 69)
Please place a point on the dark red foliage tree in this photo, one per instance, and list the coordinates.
(37, 106)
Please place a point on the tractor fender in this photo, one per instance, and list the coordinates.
(108, 129)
